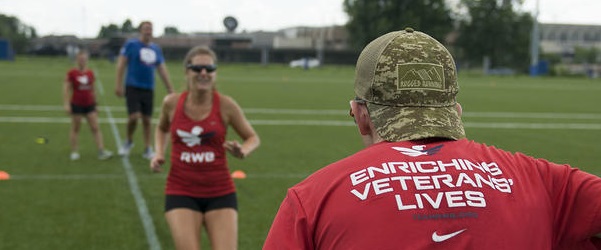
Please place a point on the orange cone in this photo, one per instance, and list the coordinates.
(238, 174)
(4, 176)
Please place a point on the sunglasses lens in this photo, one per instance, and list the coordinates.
(198, 68)
(210, 68)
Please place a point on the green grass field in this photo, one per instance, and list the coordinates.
(301, 116)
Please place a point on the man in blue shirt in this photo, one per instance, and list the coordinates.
(141, 57)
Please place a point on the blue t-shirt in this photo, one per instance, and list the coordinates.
(142, 59)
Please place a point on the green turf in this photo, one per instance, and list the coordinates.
(53, 203)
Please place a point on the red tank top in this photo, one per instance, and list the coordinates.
(83, 85)
(198, 160)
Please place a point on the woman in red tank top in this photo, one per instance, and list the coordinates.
(79, 102)
(199, 190)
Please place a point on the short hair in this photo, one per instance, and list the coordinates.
(143, 23)
(199, 50)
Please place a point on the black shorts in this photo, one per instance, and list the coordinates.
(139, 100)
(82, 110)
(202, 205)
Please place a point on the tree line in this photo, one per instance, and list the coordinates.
(16, 32)
(475, 28)
(471, 29)
(112, 30)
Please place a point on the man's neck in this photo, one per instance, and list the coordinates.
(145, 40)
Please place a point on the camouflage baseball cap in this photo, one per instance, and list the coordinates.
(409, 82)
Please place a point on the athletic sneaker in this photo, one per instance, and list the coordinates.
(74, 156)
(104, 154)
(125, 148)
(148, 153)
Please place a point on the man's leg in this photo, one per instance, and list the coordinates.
(147, 108)
(132, 100)
(147, 127)
(132, 123)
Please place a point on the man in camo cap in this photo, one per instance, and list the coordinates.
(419, 184)
(409, 83)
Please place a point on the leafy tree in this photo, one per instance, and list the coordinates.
(109, 31)
(16, 32)
(586, 55)
(369, 19)
(128, 27)
(494, 29)
(552, 58)
(113, 30)
(171, 30)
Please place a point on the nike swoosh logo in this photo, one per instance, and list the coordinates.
(441, 238)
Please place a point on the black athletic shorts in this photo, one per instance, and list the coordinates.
(202, 205)
(139, 100)
(82, 110)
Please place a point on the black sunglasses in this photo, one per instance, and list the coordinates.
(199, 67)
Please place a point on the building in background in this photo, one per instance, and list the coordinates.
(328, 44)
(578, 47)
(564, 38)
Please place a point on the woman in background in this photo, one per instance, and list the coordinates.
(79, 101)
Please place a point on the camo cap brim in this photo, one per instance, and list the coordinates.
(409, 82)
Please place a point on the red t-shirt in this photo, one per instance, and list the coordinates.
(198, 160)
(440, 195)
(82, 83)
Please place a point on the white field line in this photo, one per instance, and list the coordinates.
(531, 115)
(66, 177)
(149, 228)
(295, 111)
(335, 123)
(537, 126)
(570, 116)
(77, 177)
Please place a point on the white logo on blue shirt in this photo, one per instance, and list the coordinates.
(148, 56)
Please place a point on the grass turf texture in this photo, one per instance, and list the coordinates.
(53, 203)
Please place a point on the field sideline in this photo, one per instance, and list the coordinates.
(345, 122)
(301, 116)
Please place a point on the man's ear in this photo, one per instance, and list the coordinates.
(459, 109)
(362, 119)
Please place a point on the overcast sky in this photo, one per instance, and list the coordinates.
(84, 18)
